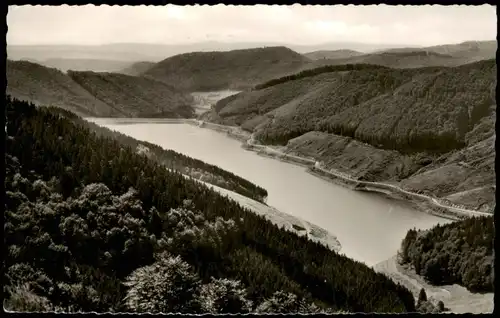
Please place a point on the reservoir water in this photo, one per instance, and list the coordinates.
(369, 227)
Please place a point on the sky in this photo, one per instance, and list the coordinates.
(297, 24)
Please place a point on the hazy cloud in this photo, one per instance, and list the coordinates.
(417, 25)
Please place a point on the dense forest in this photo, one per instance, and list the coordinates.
(409, 110)
(90, 225)
(317, 71)
(455, 253)
(177, 161)
(392, 109)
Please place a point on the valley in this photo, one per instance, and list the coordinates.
(92, 193)
(451, 210)
(293, 191)
(456, 298)
(377, 133)
(346, 180)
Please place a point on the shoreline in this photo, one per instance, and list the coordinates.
(455, 297)
(421, 202)
(289, 222)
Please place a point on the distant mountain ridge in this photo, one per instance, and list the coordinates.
(155, 52)
(95, 94)
(226, 68)
(483, 49)
(243, 69)
(105, 58)
(211, 71)
(96, 65)
(442, 55)
(336, 54)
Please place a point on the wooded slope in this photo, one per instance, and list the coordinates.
(388, 124)
(237, 69)
(96, 94)
(90, 225)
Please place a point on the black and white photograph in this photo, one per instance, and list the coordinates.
(250, 159)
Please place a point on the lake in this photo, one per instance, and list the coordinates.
(370, 227)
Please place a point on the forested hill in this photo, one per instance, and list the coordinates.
(317, 71)
(49, 86)
(95, 94)
(406, 110)
(90, 225)
(194, 168)
(243, 69)
(455, 253)
(135, 96)
(237, 69)
(442, 119)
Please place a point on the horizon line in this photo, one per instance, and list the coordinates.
(247, 42)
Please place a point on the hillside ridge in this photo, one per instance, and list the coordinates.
(237, 69)
(416, 125)
(96, 94)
